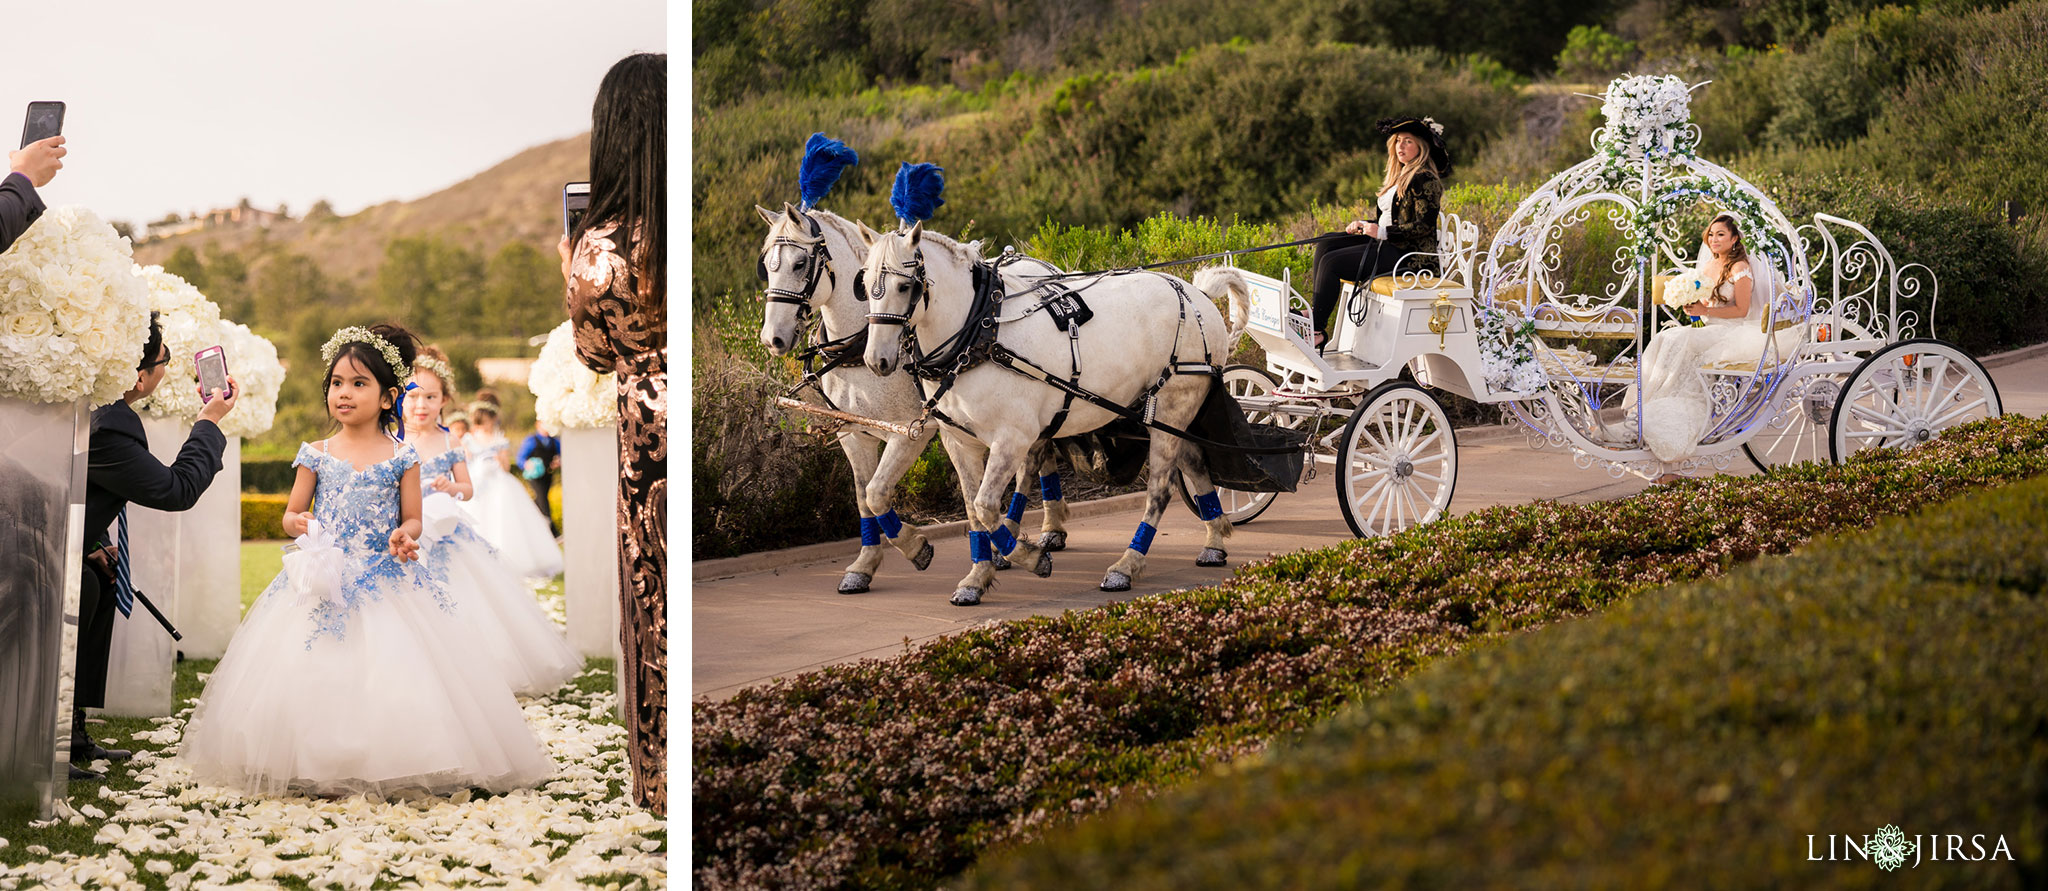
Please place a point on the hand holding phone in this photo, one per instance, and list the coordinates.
(45, 119)
(212, 364)
(575, 200)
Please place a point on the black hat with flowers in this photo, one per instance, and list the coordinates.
(1427, 130)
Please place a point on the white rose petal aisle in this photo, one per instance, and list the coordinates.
(582, 407)
(152, 828)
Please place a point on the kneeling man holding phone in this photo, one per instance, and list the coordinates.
(121, 470)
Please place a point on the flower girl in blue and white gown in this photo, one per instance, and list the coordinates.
(352, 673)
(529, 649)
(502, 508)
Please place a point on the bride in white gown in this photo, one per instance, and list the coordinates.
(1677, 411)
(502, 509)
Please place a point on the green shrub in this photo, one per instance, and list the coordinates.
(900, 772)
(263, 516)
(271, 475)
(1708, 730)
(1592, 54)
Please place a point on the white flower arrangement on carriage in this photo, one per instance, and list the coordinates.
(1835, 371)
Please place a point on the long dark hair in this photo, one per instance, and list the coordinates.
(628, 173)
(373, 359)
(1737, 251)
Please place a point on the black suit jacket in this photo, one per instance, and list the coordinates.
(121, 470)
(19, 206)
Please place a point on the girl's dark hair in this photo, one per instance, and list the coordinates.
(373, 359)
(628, 174)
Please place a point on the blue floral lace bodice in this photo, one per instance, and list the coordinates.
(440, 465)
(358, 509)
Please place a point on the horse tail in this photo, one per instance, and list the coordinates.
(1217, 281)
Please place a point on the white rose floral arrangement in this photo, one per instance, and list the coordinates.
(252, 360)
(190, 323)
(1646, 114)
(1507, 351)
(73, 312)
(566, 394)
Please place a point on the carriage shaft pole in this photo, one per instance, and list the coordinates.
(800, 405)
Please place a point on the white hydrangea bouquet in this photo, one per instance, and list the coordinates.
(190, 323)
(73, 312)
(259, 375)
(566, 394)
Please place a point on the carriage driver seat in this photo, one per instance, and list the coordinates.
(1457, 247)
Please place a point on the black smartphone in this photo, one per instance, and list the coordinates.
(45, 119)
(575, 200)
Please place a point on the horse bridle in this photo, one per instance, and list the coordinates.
(821, 266)
(920, 290)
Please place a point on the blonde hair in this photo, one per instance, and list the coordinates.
(1398, 176)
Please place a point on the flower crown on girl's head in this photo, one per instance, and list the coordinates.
(437, 367)
(358, 334)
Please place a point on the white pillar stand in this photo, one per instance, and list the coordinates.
(42, 558)
(190, 565)
(590, 527)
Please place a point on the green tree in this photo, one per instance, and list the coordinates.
(434, 287)
(523, 287)
(185, 263)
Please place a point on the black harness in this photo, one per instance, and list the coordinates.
(836, 352)
(976, 342)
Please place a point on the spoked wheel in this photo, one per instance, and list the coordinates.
(1805, 434)
(1241, 381)
(1398, 462)
(1906, 394)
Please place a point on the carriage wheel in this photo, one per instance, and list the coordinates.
(1398, 462)
(1242, 507)
(1805, 434)
(1906, 394)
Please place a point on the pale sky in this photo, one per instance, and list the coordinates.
(191, 105)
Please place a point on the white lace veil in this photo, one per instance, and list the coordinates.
(1763, 274)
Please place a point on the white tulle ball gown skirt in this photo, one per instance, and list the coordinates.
(377, 687)
(529, 650)
(503, 512)
(1678, 411)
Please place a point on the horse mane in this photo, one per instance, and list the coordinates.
(968, 252)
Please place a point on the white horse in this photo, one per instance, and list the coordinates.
(921, 284)
(807, 249)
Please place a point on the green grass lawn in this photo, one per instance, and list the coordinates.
(261, 562)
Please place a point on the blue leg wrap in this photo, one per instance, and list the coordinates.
(1049, 486)
(1209, 506)
(1016, 513)
(977, 547)
(889, 524)
(1004, 541)
(870, 532)
(1142, 542)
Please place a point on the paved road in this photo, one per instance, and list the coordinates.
(752, 627)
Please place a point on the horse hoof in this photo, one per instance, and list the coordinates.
(923, 560)
(967, 597)
(1116, 581)
(1001, 562)
(1052, 541)
(855, 583)
(1212, 557)
(1043, 567)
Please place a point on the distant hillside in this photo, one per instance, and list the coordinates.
(519, 199)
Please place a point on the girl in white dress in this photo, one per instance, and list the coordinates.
(529, 650)
(1676, 408)
(502, 509)
(352, 673)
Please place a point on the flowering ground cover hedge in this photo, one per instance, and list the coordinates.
(148, 827)
(901, 772)
(1696, 736)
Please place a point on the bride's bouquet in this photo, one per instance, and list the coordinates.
(73, 313)
(1684, 290)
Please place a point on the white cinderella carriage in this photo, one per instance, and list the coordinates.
(1841, 369)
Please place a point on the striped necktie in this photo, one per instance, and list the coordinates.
(124, 591)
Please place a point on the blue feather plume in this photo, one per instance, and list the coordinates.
(824, 158)
(918, 192)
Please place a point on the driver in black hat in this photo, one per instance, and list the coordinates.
(1410, 195)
